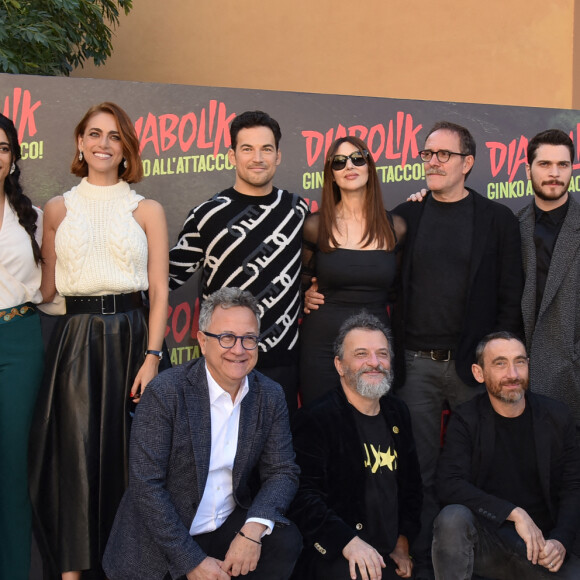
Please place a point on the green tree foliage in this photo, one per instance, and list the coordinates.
(51, 37)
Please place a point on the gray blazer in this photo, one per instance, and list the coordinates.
(168, 468)
(553, 340)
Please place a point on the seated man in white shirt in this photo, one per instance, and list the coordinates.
(191, 509)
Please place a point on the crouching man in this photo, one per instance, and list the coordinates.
(359, 501)
(510, 469)
(190, 510)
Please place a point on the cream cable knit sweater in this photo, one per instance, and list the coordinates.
(100, 248)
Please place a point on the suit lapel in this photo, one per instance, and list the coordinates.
(198, 414)
(527, 226)
(566, 246)
(413, 222)
(351, 442)
(487, 439)
(248, 416)
(482, 218)
(543, 448)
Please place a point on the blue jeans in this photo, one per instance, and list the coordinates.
(462, 546)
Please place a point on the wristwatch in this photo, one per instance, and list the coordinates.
(157, 353)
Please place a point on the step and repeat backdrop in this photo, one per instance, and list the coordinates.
(184, 136)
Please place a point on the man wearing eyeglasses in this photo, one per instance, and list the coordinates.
(194, 508)
(461, 279)
(250, 236)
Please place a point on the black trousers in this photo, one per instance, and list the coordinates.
(339, 569)
(287, 377)
(280, 549)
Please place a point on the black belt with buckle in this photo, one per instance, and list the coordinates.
(108, 304)
(437, 354)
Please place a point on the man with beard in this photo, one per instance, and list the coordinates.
(510, 472)
(359, 499)
(550, 231)
(461, 279)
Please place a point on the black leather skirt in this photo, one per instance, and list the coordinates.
(80, 435)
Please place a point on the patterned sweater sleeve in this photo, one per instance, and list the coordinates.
(188, 254)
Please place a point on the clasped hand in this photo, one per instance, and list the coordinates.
(241, 558)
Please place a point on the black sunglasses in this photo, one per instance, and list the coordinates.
(358, 160)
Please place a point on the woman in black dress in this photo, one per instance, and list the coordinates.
(350, 249)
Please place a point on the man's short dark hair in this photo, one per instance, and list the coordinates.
(361, 321)
(466, 140)
(502, 334)
(550, 137)
(251, 119)
(227, 298)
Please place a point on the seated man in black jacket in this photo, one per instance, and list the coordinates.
(359, 500)
(510, 470)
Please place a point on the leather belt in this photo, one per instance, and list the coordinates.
(437, 354)
(108, 304)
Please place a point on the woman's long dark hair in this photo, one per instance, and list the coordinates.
(378, 228)
(19, 202)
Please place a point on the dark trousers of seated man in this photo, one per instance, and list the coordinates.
(429, 387)
(279, 551)
(463, 545)
(338, 569)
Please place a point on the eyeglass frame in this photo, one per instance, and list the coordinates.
(436, 153)
(364, 156)
(236, 337)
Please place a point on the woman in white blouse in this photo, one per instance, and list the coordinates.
(103, 246)
(21, 352)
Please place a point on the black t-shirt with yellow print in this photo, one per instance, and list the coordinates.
(379, 458)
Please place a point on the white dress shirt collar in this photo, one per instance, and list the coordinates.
(215, 391)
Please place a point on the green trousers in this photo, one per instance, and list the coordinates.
(21, 365)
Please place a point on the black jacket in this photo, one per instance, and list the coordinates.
(468, 454)
(330, 507)
(496, 279)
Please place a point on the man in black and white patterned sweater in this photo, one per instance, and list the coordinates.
(250, 236)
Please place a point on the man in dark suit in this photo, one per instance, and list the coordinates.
(550, 230)
(462, 278)
(191, 510)
(510, 472)
(359, 498)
